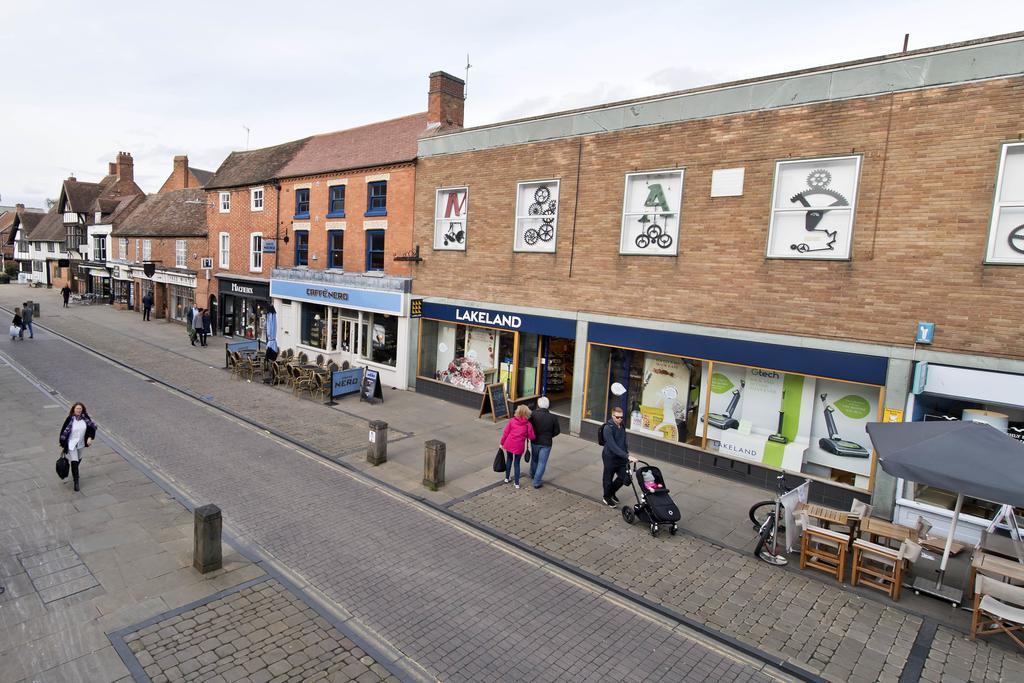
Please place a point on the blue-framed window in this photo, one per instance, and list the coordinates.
(302, 247)
(374, 250)
(336, 202)
(302, 203)
(377, 198)
(335, 248)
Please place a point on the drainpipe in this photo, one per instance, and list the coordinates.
(277, 225)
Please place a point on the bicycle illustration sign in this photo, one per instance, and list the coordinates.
(651, 209)
(451, 209)
(537, 215)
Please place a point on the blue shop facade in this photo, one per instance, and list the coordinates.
(713, 399)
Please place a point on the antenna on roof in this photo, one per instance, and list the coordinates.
(465, 92)
(246, 137)
(906, 41)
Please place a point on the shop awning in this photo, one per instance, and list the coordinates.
(972, 458)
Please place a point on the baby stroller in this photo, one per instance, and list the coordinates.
(653, 504)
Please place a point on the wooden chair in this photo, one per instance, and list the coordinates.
(303, 358)
(332, 366)
(998, 608)
(247, 366)
(881, 568)
(321, 385)
(345, 365)
(319, 359)
(303, 381)
(233, 362)
(824, 550)
(280, 369)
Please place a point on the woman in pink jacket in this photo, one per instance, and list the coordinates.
(518, 432)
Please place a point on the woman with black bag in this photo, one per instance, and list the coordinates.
(77, 434)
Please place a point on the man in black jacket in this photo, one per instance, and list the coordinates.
(616, 457)
(546, 428)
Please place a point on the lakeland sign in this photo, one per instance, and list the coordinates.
(488, 319)
(564, 328)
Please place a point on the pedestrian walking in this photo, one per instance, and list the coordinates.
(147, 305)
(207, 325)
(546, 428)
(615, 456)
(17, 327)
(514, 439)
(66, 293)
(26, 318)
(76, 435)
(197, 325)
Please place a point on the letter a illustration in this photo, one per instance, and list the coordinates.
(454, 205)
(656, 197)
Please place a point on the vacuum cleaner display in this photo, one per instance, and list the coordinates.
(834, 444)
(777, 437)
(726, 420)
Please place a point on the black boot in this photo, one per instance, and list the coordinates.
(74, 473)
(76, 485)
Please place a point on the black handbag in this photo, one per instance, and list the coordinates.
(499, 461)
(526, 455)
(63, 466)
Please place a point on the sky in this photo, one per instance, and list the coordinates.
(85, 80)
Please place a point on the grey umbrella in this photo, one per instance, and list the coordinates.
(970, 458)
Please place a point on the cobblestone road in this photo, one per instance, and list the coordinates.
(456, 603)
(262, 633)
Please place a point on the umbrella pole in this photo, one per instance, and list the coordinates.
(949, 540)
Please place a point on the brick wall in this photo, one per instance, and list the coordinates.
(919, 233)
(240, 223)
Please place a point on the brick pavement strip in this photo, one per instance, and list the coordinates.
(318, 652)
(448, 598)
(817, 626)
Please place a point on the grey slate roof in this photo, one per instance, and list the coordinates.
(178, 213)
(254, 166)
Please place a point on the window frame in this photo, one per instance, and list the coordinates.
(224, 250)
(331, 234)
(99, 247)
(147, 250)
(180, 254)
(255, 252)
(301, 247)
(370, 187)
(122, 248)
(224, 202)
(253, 199)
(299, 203)
(523, 213)
(626, 249)
(441, 222)
(331, 212)
(997, 210)
(369, 234)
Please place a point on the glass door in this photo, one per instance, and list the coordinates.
(527, 377)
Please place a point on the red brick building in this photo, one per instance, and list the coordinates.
(322, 226)
(742, 268)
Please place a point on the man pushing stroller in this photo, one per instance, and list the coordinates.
(615, 456)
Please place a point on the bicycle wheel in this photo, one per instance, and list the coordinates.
(759, 513)
(765, 533)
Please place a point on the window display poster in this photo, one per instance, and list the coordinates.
(1006, 234)
(839, 437)
(651, 213)
(663, 400)
(813, 207)
(451, 209)
(536, 216)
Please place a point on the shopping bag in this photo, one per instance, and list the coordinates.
(15, 330)
(526, 455)
(499, 461)
(63, 466)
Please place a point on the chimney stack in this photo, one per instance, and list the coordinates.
(125, 166)
(179, 176)
(19, 207)
(111, 168)
(446, 100)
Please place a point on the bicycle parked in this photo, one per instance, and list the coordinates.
(769, 521)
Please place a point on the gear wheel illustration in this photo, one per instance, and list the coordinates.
(542, 194)
(801, 197)
(819, 178)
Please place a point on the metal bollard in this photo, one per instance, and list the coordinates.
(433, 464)
(206, 553)
(377, 448)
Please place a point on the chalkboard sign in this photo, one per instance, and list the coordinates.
(494, 402)
(371, 391)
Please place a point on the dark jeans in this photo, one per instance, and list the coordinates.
(615, 474)
(28, 326)
(538, 462)
(74, 470)
(145, 313)
(202, 338)
(510, 459)
(65, 302)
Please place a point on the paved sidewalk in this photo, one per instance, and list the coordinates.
(76, 567)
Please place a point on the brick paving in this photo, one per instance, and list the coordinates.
(261, 633)
(456, 603)
(954, 657)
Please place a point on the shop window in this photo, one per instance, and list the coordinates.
(314, 325)
(377, 198)
(180, 253)
(1006, 231)
(336, 249)
(651, 213)
(385, 339)
(374, 250)
(460, 355)
(536, 216)
(256, 252)
(451, 208)
(302, 203)
(302, 247)
(336, 202)
(813, 208)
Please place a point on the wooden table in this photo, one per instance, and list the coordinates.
(879, 528)
(827, 514)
